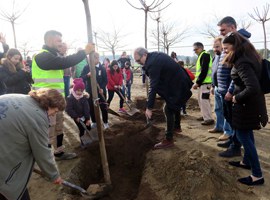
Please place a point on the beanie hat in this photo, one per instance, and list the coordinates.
(244, 33)
(78, 84)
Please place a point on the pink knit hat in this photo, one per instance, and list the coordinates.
(78, 84)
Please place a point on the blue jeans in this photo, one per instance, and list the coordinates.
(221, 123)
(128, 86)
(67, 85)
(251, 158)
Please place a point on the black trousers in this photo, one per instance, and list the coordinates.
(103, 107)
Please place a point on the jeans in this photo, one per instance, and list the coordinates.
(221, 123)
(67, 85)
(170, 119)
(128, 86)
(251, 158)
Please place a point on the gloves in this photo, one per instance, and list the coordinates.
(89, 48)
(58, 181)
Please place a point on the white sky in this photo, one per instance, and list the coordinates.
(68, 17)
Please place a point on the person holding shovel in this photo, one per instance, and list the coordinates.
(47, 72)
(78, 107)
(24, 124)
(169, 81)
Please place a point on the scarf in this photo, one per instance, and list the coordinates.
(77, 97)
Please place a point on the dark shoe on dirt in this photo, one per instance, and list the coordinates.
(200, 119)
(239, 164)
(248, 181)
(214, 130)
(66, 156)
(164, 144)
(230, 153)
(208, 122)
(224, 144)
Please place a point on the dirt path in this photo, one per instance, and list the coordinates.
(190, 170)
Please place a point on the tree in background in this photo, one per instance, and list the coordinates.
(152, 7)
(262, 19)
(157, 19)
(12, 18)
(170, 36)
(110, 40)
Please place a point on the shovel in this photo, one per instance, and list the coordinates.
(131, 110)
(89, 136)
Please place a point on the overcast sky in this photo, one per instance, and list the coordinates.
(68, 17)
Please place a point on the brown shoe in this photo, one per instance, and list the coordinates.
(208, 122)
(214, 130)
(164, 144)
(223, 137)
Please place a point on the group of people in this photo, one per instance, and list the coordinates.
(31, 124)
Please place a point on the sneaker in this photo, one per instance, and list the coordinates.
(106, 125)
(164, 144)
(214, 130)
(66, 156)
(94, 125)
(208, 122)
(230, 153)
(122, 110)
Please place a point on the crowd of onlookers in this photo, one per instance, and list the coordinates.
(232, 76)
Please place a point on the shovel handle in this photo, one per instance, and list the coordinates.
(71, 185)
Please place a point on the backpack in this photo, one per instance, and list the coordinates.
(265, 76)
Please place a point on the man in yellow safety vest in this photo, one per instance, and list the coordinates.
(47, 72)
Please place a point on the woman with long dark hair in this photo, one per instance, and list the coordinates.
(249, 109)
(14, 75)
(114, 85)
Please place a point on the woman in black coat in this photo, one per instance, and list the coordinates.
(14, 76)
(249, 109)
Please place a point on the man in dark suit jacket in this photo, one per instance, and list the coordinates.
(168, 80)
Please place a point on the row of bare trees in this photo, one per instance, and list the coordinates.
(165, 36)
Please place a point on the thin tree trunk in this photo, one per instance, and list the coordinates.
(265, 42)
(91, 62)
(145, 29)
(14, 34)
(158, 34)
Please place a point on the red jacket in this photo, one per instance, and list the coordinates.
(114, 79)
(191, 75)
(128, 74)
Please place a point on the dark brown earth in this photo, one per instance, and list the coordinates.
(191, 170)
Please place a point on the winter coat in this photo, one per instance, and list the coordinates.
(78, 108)
(250, 110)
(24, 140)
(168, 80)
(101, 77)
(128, 76)
(15, 82)
(114, 79)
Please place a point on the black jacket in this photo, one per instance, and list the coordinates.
(167, 79)
(250, 110)
(101, 77)
(52, 61)
(19, 82)
(77, 108)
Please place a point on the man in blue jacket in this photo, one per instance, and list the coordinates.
(169, 81)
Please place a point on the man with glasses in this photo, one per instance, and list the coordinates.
(169, 81)
(203, 82)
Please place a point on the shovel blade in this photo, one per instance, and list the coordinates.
(132, 111)
(113, 112)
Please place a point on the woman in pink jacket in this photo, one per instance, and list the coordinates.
(115, 82)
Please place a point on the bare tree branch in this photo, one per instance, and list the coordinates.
(262, 19)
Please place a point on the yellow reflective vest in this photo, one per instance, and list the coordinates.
(47, 78)
(208, 78)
